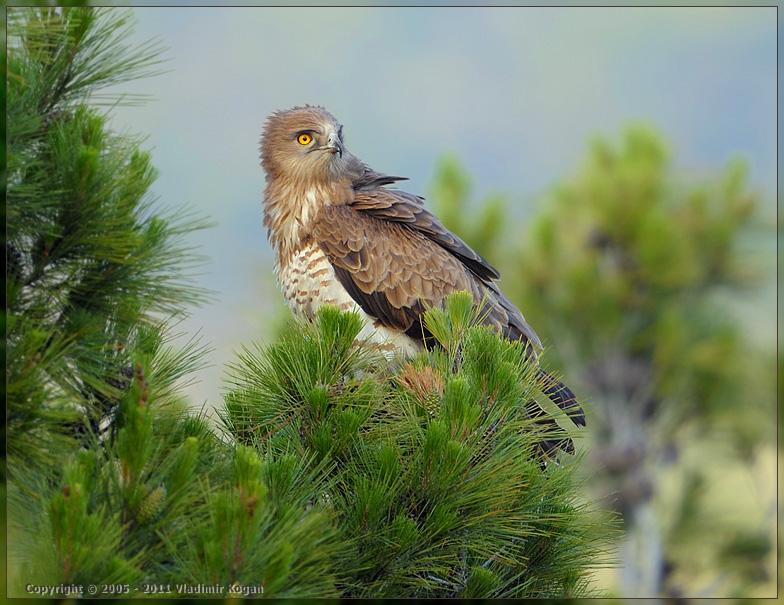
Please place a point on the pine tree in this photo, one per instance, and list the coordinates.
(432, 471)
(110, 480)
(88, 261)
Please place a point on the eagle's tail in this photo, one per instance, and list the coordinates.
(562, 396)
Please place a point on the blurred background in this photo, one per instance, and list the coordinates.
(618, 165)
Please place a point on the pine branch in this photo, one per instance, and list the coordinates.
(434, 473)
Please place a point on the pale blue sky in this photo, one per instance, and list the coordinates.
(515, 92)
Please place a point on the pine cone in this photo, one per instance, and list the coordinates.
(426, 384)
(151, 506)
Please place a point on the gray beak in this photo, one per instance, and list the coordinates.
(334, 145)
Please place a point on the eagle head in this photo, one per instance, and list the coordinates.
(303, 144)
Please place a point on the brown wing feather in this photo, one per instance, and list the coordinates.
(395, 271)
(409, 211)
(402, 207)
(387, 268)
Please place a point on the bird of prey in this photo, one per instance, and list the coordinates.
(341, 237)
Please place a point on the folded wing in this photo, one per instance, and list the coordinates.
(396, 260)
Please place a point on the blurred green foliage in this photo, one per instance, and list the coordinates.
(632, 262)
(451, 196)
(625, 271)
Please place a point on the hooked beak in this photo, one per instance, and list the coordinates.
(333, 144)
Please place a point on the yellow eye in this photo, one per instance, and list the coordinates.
(304, 139)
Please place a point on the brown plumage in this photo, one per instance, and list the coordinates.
(341, 238)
